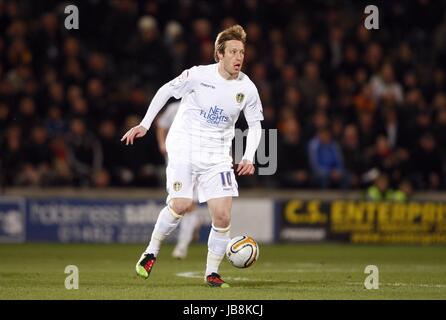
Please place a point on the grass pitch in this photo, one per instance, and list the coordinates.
(288, 271)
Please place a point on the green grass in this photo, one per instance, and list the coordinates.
(310, 271)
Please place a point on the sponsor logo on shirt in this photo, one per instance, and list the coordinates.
(214, 115)
(207, 85)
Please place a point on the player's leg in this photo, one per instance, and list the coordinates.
(217, 190)
(219, 237)
(167, 221)
(187, 227)
(180, 187)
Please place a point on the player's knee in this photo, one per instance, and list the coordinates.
(181, 206)
(222, 220)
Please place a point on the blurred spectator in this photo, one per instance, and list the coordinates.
(151, 58)
(311, 84)
(13, 155)
(368, 131)
(385, 85)
(56, 94)
(354, 158)
(437, 83)
(373, 55)
(380, 189)
(118, 28)
(439, 101)
(404, 61)
(364, 101)
(337, 128)
(404, 191)
(101, 179)
(27, 114)
(177, 46)
(99, 67)
(64, 176)
(427, 163)
(319, 120)
(84, 152)
(49, 34)
(439, 128)
(392, 162)
(97, 101)
(351, 61)
(5, 115)
(55, 124)
(420, 124)
(326, 161)
(37, 169)
(293, 168)
(112, 149)
(392, 128)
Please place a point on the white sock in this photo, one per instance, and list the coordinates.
(186, 232)
(167, 222)
(217, 242)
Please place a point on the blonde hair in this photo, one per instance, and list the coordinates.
(235, 32)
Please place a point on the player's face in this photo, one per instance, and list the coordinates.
(233, 57)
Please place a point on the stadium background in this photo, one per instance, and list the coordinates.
(374, 102)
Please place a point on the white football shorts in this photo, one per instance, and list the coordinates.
(184, 180)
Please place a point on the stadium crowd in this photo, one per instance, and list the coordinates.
(350, 104)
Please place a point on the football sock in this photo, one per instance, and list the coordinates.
(167, 222)
(217, 242)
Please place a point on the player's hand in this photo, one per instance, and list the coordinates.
(135, 132)
(245, 168)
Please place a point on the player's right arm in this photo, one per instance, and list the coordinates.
(177, 88)
(253, 112)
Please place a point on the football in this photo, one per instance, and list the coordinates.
(242, 251)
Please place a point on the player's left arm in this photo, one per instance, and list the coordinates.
(246, 166)
(254, 114)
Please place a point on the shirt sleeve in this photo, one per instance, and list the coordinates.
(253, 140)
(253, 110)
(166, 118)
(177, 88)
(182, 84)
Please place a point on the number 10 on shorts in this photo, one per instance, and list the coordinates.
(226, 179)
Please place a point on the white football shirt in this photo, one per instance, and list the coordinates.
(204, 126)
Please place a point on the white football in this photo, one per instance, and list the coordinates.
(242, 251)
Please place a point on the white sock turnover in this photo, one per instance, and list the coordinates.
(217, 242)
(167, 222)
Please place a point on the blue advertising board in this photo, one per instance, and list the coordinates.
(112, 220)
(91, 220)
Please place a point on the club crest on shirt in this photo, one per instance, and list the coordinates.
(239, 97)
(177, 186)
